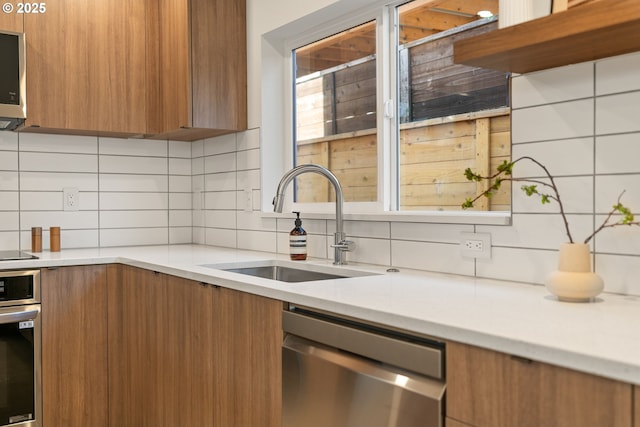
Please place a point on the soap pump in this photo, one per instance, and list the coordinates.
(298, 241)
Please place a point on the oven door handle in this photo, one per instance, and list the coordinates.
(18, 316)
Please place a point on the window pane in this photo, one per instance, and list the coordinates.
(335, 120)
(451, 116)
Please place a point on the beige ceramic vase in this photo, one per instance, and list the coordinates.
(574, 281)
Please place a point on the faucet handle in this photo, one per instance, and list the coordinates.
(345, 245)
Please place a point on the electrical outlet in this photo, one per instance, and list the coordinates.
(71, 199)
(475, 245)
(248, 200)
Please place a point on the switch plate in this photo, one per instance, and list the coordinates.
(475, 245)
(71, 199)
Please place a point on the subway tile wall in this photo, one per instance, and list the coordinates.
(131, 192)
(581, 121)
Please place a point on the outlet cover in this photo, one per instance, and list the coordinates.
(475, 245)
(71, 199)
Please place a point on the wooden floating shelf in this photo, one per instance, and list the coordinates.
(584, 33)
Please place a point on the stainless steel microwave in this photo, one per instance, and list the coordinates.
(13, 108)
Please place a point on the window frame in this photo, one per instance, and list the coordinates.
(388, 127)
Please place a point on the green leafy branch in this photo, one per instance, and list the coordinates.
(546, 191)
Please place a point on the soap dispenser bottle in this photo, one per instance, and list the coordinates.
(298, 241)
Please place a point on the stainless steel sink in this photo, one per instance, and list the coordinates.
(285, 274)
(288, 271)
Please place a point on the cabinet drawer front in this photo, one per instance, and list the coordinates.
(487, 388)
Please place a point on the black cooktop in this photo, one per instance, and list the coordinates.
(15, 255)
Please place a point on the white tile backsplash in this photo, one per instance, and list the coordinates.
(225, 181)
(248, 159)
(73, 220)
(8, 141)
(56, 181)
(518, 264)
(620, 273)
(618, 154)
(8, 160)
(133, 147)
(9, 201)
(134, 201)
(553, 155)
(551, 86)
(58, 143)
(180, 149)
(256, 240)
(133, 165)
(572, 119)
(129, 190)
(220, 163)
(58, 162)
(580, 121)
(8, 180)
(41, 201)
(9, 240)
(220, 145)
(127, 182)
(249, 139)
(180, 166)
(180, 184)
(134, 236)
(618, 74)
(225, 237)
(618, 113)
(610, 187)
(576, 194)
(9, 221)
(438, 257)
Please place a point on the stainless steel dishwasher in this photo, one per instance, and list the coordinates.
(340, 372)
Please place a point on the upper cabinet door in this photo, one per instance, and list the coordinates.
(11, 21)
(86, 67)
(197, 62)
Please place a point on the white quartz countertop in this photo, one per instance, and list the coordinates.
(601, 338)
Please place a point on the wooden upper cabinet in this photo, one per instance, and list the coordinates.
(86, 68)
(167, 69)
(490, 389)
(196, 57)
(11, 21)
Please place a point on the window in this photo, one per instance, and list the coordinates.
(382, 105)
(335, 114)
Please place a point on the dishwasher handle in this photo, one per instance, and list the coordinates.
(406, 355)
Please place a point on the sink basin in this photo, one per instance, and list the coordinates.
(290, 272)
(284, 274)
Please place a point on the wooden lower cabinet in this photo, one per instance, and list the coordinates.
(186, 354)
(450, 422)
(247, 352)
(487, 388)
(74, 346)
(636, 406)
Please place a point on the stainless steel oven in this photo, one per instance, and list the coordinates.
(344, 373)
(20, 381)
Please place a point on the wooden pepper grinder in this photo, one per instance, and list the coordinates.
(36, 239)
(54, 239)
